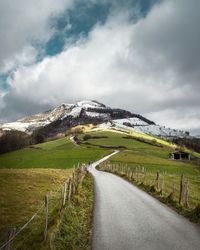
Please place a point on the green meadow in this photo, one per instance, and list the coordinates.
(28, 174)
(59, 154)
(154, 159)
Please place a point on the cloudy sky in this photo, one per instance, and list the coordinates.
(140, 55)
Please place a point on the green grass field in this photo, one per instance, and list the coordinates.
(26, 175)
(140, 153)
(59, 154)
(22, 193)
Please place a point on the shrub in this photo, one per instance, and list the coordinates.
(87, 137)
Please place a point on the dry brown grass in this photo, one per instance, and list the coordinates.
(22, 192)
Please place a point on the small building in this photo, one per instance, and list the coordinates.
(180, 155)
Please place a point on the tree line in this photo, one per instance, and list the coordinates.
(13, 140)
(191, 143)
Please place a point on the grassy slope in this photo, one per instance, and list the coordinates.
(26, 175)
(58, 154)
(22, 193)
(142, 153)
(154, 159)
(67, 229)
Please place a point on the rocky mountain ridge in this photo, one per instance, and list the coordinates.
(65, 116)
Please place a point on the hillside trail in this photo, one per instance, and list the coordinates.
(127, 218)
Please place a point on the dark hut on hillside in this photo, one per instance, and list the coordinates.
(180, 155)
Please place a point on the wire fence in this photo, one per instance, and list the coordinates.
(36, 229)
(185, 190)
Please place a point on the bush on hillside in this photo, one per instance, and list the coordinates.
(87, 137)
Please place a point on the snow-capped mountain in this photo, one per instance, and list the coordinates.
(65, 116)
(31, 123)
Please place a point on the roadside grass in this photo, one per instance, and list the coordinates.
(172, 171)
(28, 174)
(22, 194)
(148, 184)
(74, 231)
(59, 154)
(69, 228)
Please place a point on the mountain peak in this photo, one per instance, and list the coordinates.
(90, 104)
(65, 116)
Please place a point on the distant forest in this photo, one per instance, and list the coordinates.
(13, 140)
(191, 143)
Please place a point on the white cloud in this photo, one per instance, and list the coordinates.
(24, 22)
(151, 67)
(27, 56)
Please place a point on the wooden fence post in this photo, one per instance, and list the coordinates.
(46, 216)
(131, 174)
(186, 195)
(163, 184)
(11, 233)
(73, 184)
(181, 189)
(136, 173)
(61, 197)
(64, 194)
(185, 192)
(157, 180)
(69, 189)
(144, 177)
(173, 187)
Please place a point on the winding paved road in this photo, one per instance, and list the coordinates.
(126, 218)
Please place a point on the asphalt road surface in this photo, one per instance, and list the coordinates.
(127, 218)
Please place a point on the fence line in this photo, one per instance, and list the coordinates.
(163, 184)
(18, 232)
(69, 189)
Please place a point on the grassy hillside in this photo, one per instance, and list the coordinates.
(138, 152)
(153, 158)
(26, 175)
(22, 192)
(58, 154)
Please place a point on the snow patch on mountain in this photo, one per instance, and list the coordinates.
(27, 127)
(132, 121)
(96, 112)
(90, 104)
(136, 125)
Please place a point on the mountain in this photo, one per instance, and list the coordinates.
(65, 116)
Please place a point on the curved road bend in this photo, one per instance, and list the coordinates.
(126, 218)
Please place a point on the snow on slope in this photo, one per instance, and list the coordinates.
(133, 121)
(30, 123)
(90, 104)
(136, 125)
(91, 109)
(27, 127)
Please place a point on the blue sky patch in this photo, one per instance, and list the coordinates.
(75, 23)
(3, 82)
